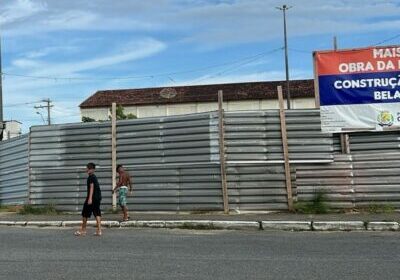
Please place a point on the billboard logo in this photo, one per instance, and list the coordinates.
(385, 118)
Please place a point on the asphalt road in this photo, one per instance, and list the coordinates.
(28, 253)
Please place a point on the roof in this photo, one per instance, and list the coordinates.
(201, 93)
(12, 121)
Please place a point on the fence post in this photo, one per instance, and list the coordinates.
(221, 134)
(285, 149)
(114, 151)
(29, 167)
(316, 83)
(345, 143)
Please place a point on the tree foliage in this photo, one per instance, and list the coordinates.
(119, 113)
(87, 119)
(122, 116)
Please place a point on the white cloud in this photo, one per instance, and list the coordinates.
(26, 63)
(43, 52)
(20, 9)
(205, 23)
(132, 51)
(73, 19)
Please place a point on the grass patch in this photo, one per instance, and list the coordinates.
(316, 206)
(38, 210)
(8, 208)
(201, 212)
(378, 209)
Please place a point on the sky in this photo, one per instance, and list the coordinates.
(66, 50)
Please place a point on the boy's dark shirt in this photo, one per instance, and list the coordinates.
(96, 191)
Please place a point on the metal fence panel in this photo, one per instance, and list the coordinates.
(256, 187)
(334, 180)
(178, 187)
(357, 180)
(14, 170)
(256, 136)
(379, 142)
(58, 156)
(168, 140)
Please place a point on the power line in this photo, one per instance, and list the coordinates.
(236, 67)
(21, 104)
(387, 40)
(300, 51)
(377, 44)
(55, 78)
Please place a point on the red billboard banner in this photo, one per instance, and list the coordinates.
(366, 60)
(358, 89)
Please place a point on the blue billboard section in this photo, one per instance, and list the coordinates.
(364, 88)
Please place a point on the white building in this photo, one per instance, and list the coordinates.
(12, 129)
(152, 102)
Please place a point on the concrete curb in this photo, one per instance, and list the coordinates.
(383, 226)
(224, 225)
(44, 223)
(236, 225)
(286, 225)
(7, 223)
(190, 224)
(338, 226)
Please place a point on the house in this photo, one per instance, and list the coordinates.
(167, 101)
(12, 129)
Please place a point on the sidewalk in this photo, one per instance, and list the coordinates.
(146, 216)
(211, 221)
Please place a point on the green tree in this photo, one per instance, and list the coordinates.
(121, 115)
(87, 119)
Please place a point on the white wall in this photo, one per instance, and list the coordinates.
(13, 129)
(95, 113)
(189, 108)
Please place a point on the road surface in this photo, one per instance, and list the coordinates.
(29, 253)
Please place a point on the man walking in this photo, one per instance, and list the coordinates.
(122, 185)
(92, 202)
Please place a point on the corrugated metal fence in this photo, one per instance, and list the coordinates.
(58, 156)
(14, 171)
(256, 175)
(175, 162)
(353, 181)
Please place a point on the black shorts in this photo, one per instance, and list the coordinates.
(89, 209)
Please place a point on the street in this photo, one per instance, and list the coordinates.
(28, 253)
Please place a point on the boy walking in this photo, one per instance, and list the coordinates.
(122, 185)
(92, 202)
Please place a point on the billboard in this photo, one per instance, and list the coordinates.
(358, 89)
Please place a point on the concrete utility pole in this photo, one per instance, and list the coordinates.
(48, 107)
(284, 8)
(1, 98)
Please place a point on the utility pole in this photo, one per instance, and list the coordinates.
(1, 98)
(335, 43)
(284, 8)
(48, 107)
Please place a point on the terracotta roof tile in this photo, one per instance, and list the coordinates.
(203, 93)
